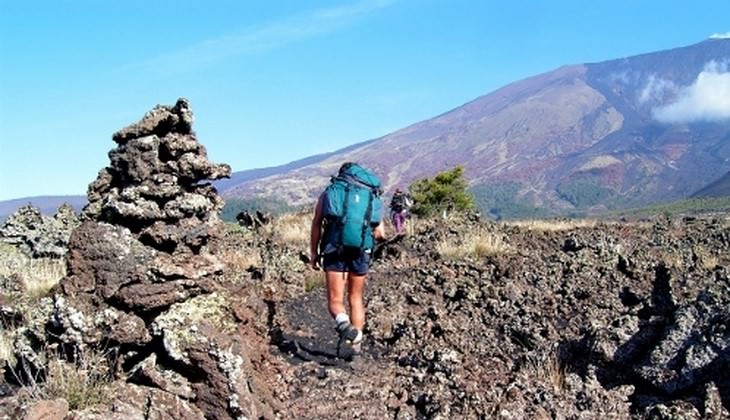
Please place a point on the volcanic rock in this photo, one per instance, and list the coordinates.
(38, 235)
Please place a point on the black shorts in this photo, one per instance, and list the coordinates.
(351, 262)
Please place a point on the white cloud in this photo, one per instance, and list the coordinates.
(726, 35)
(265, 37)
(656, 90)
(707, 99)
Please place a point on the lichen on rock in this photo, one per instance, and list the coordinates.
(179, 326)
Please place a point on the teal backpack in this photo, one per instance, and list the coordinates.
(352, 208)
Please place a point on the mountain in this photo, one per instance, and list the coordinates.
(254, 174)
(718, 188)
(614, 134)
(588, 137)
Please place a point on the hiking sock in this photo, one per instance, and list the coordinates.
(342, 317)
(342, 324)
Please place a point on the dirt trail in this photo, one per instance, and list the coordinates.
(326, 385)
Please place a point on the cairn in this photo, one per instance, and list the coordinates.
(144, 273)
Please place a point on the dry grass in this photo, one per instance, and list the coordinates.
(37, 276)
(557, 225)
(42, 275)
(673, 259)
(313, 280)
(549, 368)
(239, 261)
(34, 278)
(705, 259)
(476, 244)
(84, 383)
(6, 346)
(293, 229)
(11, 260)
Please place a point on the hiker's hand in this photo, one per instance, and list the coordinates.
(314, 261)
(379, 232)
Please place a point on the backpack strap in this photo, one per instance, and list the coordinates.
(349, 178)
(366, 220)
(341, 220)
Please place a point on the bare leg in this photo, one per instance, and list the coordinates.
(355, 291)
(336, 292)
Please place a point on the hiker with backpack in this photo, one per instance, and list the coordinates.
(347, 221)
(399, 205)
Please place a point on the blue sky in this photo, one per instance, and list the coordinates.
(275, 81)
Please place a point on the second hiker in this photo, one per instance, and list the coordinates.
(399, 205)
(347, 220)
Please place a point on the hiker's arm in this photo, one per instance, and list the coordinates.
(379, 232)
(315, 234)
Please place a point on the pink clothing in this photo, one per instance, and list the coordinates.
(399, 220)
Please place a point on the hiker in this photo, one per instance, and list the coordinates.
(347, 221)
(399, 205)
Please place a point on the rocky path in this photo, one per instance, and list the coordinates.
(325, 385)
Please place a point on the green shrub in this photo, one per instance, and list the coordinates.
(583, 192)
(503, 201)
(446, 191)
(313, 280)
(234, 206)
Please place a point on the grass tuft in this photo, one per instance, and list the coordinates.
(313, 280)
(37, 276)
(475, 244)
(7, 354)
(239, 261)
(705, 259)
(549, 367)
(293, 229)
(83, 383)
(42, 275)
(557, 225)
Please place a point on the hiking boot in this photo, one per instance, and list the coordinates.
(348, 336)
(359, 360)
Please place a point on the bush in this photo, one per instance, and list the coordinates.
(503, 200)
(474, 244)
(234, 206)
(583, 192)
(446, 191)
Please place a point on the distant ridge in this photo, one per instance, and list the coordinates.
(719, 188)
(252, 174)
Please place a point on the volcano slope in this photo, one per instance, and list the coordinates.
(470, 319)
